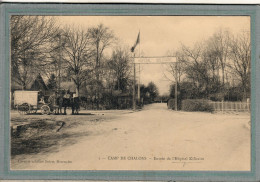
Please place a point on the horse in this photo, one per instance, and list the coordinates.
(60, 101)
(75, 105)
(67, 100)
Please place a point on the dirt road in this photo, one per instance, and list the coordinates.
(153, 139)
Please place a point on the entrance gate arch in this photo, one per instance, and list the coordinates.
(153, 60)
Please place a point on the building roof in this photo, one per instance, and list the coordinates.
(38, 84)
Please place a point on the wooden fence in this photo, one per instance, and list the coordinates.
(230, 106)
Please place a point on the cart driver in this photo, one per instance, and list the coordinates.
(42, 100)
(41, 97)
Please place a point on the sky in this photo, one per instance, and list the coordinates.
(159, 35)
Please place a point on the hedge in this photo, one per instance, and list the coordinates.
(196, 105)
(171, 104)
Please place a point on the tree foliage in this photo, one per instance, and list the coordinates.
(77, 55)
(30, 40)
(52, 83)
(152, 90)
(210, 66)
(101, 37)
(120, 64)
(240, 56)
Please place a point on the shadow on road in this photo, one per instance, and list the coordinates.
(41, 137)
(43, 144)
(80, 114)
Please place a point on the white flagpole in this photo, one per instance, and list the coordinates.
(138, 93)
(139, 42)
(134, 97)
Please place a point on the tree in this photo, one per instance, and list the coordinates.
(172, 90)
(240, 56)
(215, 87)
(152, 90)
(164, 97)
(101, 38)
(52, 84)
(54, 62)
(196, 69)
(208, 65)
(77, 56)
(120, 64)
(211, 59)
(176, 70)
(219, 42)
(30, 37)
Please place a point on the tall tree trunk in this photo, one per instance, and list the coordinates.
(77, 91)
(244, 84)
(23, 86)
(223, 77)
(223, 84)
(118, 82)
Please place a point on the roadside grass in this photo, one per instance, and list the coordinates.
(42, 134)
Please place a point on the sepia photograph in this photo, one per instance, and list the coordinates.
(164, 93)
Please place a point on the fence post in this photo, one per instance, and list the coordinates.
(222, 105)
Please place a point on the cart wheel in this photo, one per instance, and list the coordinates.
(23, 108)
(45, 109)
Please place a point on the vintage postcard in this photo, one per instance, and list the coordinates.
(131, 93)
(72, 90)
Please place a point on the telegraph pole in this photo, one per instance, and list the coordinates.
(176, 88)
(138, 91)
(59, 58)
(134, 104)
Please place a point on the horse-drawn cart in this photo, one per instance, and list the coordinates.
(28, 102)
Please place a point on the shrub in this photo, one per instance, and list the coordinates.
(171, 104)
(196, 105)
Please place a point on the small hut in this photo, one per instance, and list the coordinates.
(38, 84)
